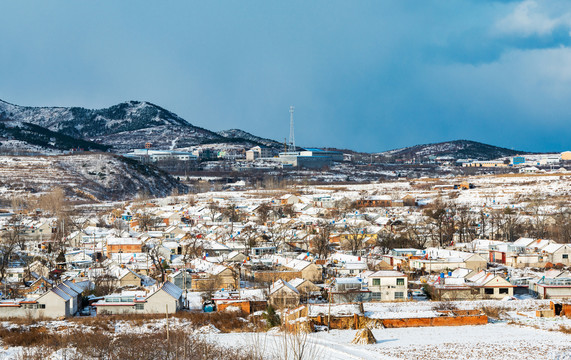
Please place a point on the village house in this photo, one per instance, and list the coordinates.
(289, 199)
(306, 288)
(167, 298)
(348, 289)
(53, 304)
(552, 288)
(557, 253)
(386, 285)
(124, 245)
(181, 278)
(210, 276)
(437, 260)
(307, 270)
(465, 284)
(246, 300)
(283, 295)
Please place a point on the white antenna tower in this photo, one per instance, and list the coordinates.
(291, 133)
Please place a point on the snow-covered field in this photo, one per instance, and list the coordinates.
(492, 341)
(517, 335)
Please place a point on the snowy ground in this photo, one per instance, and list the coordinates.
(519, 334)
(492, 341)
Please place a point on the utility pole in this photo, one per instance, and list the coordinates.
(167, 314)
(329, 312)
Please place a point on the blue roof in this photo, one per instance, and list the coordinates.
(314, 149)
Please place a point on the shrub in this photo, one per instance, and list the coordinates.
(444, 306)
(271, 317)
(492, 311)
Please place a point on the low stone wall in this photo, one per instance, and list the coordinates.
(436, 321)
(247, 307)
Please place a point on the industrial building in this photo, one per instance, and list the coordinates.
(146, 155)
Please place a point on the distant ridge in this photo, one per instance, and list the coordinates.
(457, 149)
(122, 127)
(130, 125)
(243, 135)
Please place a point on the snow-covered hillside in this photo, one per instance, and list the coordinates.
(88, 176)
(456, 149)
(125, 126)
(238, 134)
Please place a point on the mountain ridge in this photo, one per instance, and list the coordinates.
(456, 149)
(132, 124)
(124, 126)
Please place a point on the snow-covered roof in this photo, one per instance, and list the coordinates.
(297, 282)
(386, 273)
(171, 289)
(551, 248)
(61, 294)
(280, 284)
(72, 286)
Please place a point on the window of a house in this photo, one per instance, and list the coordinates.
(489, 291)
(565, 256)
(400, 281)
(504, 291)
(41, 306)
(376, 295)
(399, 295)
(376, 282)
(139, 306)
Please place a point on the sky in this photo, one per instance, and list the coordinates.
(362, 75)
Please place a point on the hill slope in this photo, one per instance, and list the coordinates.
(42, 138)
(124, 126)
(241, 135)
(90, 176)
(458, 149)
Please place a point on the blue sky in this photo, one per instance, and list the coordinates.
(364, 75)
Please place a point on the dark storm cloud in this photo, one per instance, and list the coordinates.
(366, 75)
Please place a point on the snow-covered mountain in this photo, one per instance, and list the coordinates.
(458, 149)
(124, 126)
(237, 134)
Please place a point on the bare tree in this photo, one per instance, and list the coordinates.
(146, 220)
(417, 234)
(8, 249)
(249, 235)
(539, 223)
(213, 209)
(192, 247)
(560, 230)
(154, 255)
(104, 284)
(442, 220)
(53, 202)
(278, 234)
(511, 224)
(320, 242)
(354, 238)
(464, 224)
(386, 241)
(263, 213)
(232, 214)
